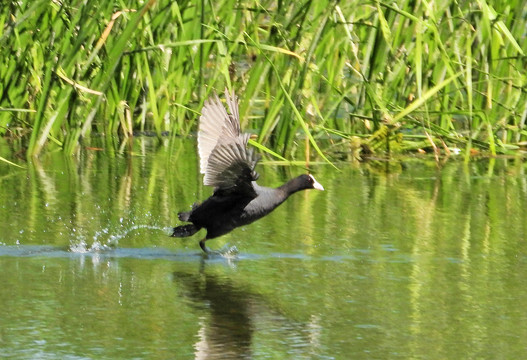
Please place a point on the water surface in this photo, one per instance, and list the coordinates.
(401, 259)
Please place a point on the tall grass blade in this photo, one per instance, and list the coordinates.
(427, 95)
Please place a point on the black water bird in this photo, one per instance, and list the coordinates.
(228, 166)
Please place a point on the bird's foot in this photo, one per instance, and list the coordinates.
(229, 251)
(226, 251)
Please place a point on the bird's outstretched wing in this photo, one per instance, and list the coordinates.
(224, 158)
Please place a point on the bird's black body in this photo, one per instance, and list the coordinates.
(219, 214)
(229, 166)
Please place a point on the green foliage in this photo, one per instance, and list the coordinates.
(451, 73)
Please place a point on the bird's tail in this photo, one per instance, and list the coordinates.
(185, 230)
(184, 216)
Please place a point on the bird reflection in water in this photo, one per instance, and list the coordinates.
(227, 331)
(232, 314)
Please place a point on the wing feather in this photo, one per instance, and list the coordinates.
(224, 158)
(214, 123)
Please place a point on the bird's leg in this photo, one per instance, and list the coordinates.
(225, 252)
(204, 247)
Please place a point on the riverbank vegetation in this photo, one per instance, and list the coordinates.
(347, 77)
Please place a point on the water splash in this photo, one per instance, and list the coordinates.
(226, 252)
(104, 240)
(82, 247)
(229, 252)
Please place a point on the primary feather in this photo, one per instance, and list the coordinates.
(225, 159)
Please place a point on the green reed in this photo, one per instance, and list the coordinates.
(402, 76)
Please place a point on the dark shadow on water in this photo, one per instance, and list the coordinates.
(228, 329)
(232, 311)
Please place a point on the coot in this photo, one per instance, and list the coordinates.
(228, 166)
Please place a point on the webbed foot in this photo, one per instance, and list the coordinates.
(226, 251)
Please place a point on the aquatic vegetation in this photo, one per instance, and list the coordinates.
(438, 77)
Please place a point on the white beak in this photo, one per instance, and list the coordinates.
(316, 184)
